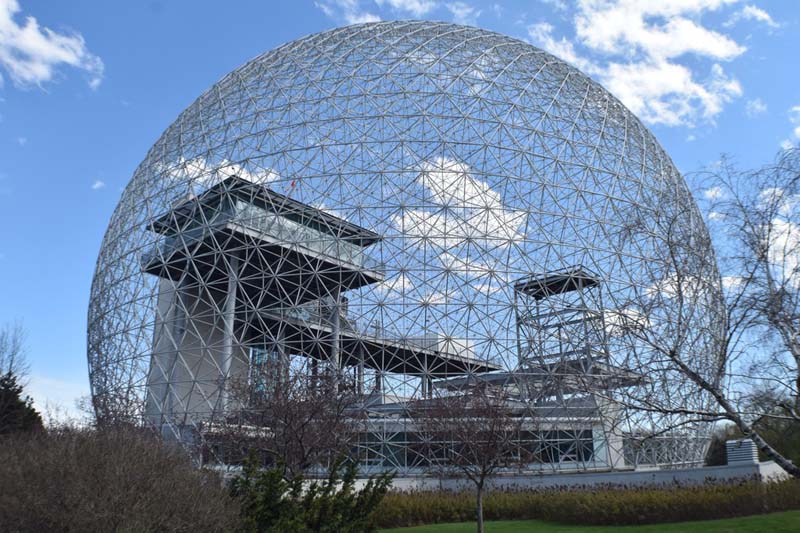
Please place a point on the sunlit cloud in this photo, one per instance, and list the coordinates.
(31, 54)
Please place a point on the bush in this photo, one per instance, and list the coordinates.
(114, 480)
(271, 503)
(594, 506)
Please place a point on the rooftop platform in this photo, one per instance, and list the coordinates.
(401, 355)
(541, 413)
(234, 188)
(571, 376)
(557, 282)
(288, 251)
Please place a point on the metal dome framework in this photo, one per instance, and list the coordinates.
(418, 209)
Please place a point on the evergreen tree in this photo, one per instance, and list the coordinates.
(17, 414)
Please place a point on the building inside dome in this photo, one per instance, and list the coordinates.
(404, 212)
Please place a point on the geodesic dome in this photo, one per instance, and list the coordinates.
(422, 207)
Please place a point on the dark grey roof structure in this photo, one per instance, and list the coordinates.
(420, 209)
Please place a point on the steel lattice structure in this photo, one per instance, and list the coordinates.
(423, 208)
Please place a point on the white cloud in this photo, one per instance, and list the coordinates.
(473, 268)
(451, 184)
(465, 222)
(778, 201)
(417, 8)
(470, 209)
(348, 10)
(755, 107)
(31, 54)
(731, 282)
(672, 285)
(400, 283)
(558, 5)
(435, 298)
(463, 13)
(784, 251)
(660, 30)
(632, 47)
(783, 233)
(770, 195)
(691, 138)
(619, 322)
(713, 193)
(98, 184)
(541, 33)
(204, 174)
(361, 18)
(794, 120)
(667, 93)
(488, 288)
(751, 12)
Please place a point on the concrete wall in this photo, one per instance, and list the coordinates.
(187, 366)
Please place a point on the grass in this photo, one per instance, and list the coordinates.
(774, 522)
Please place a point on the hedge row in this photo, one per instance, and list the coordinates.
(592, 506)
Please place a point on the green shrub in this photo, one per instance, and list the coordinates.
(271, 503)
(594, 506)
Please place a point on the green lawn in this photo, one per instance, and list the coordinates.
(788, 521)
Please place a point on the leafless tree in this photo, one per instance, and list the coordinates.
(713, 366)
(298, 422)
(13, 357)
(756, 215)
(472, 434)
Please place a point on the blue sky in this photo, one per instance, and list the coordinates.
(87, 86)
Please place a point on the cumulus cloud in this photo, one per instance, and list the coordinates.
(470, 211)
(668, 93)
(400, 283)
(794, 120)
(451, 184)
(463, 13)
(464, 224)
(350, 11)
(731, 282)
(751, 12)
(31, 54)
(98, 184)
(713, 193)
(784, 250)
(672, 286)
(660, 30)
(633, 48)
(541, 33)
(755, 107)
(558, 5)
(199, 172)
(619, 322)
(416, 8)
(771, 196)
